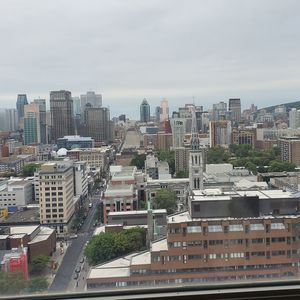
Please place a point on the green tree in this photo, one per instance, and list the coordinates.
(166, 199)
(138, 161)
(28, 170)
(169, 157)
(107, 246)
(39, 263)
(11, 283)
(217, 155)
(280, 166)
(37, 285)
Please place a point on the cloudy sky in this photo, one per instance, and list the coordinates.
(130, 49)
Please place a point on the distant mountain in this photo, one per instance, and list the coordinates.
(288, 106)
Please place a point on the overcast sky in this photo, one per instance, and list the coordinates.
(129, 50)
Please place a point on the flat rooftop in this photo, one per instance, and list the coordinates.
(136, 212)
(30, 215)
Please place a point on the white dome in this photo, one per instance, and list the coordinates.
(62, 152)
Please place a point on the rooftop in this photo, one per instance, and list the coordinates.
(160, 245)
(136, 212)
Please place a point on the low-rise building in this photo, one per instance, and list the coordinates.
(75, 141)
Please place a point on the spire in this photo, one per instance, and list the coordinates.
(195, 143)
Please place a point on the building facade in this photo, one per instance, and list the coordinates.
(220, 133)
(234, 108)
(61, 108)
(145, 111)
(290, 149)
(32, 132)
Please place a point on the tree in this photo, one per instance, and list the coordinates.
(28, 170)
(169, 157)
(39, 263)
(11, 283)
(107, 246)
(138, 161)
(217, 155)
(280, 166)
(166, 199)
(37, 285)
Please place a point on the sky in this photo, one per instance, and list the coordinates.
(204, 51)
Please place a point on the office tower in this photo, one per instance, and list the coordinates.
(76, 106)
(196, 159)
(97, 123)
(43, 122)
(244, 136)
(32, 124)
(61, 108)
(157, 114)
(220, 133)
(235, 110)
(21, 101)
(290, 149)
(8, 119)
(294, 118)
(122, 118)
(91, 98)
(56, 182)
(145, 111)
(219, 111)
(178, 131)
(164, 110)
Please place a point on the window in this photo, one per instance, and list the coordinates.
(191, 229)
(277, 226)
(236, 227)
(256, 227)
(215, 228)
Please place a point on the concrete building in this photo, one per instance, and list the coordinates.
(96, 158)
(164, 110)
(56, 182)
(97, 124)
(208, 250)
(178, 131)
(21, 102)
(144, 111)
(75, 141)
(234, 108)
(220, 133)
(244, 137)
(81, 179)
(219, 111)
(294, 118)
(90, 99)
(61, 108)
(181, 158)
(11, 164)
(15, 193)
(290, 149)
(43, 122)
(32, 131)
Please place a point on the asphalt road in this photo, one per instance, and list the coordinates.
(64, 275)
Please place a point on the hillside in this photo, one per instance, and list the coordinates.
(288, 106)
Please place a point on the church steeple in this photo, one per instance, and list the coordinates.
(196, 160)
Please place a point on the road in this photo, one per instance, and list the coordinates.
(64, 277)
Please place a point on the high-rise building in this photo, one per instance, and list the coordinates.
(219, 111)
(145, 111)
(235, 110)
(8, 119)
(56, 195)
(157, 114)
(90, 99)
(294, 118)
(220, 133)
(43, 122)
(76, 106)
(21, 102)
(164, 110)
(61, 108)
(178, 131)
(244, 137)
(32, 134)
(97, 123)
(290, 149)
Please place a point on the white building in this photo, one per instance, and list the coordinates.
(16, 193)
(81, 179)
(178, 131)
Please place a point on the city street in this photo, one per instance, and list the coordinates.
(63, 280)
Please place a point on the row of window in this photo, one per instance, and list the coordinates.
(232, 242)
(229, 228)
(232, 255)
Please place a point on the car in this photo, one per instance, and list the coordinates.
(78, 269)
(90, 205)
(73, 236)
(75, 276)
(82, 260)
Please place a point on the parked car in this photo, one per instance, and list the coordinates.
(78, 269)
(75, 276)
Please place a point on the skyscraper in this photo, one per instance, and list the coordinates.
(178, 132)
(235, 109)
(61, 108)
(294, 118)
(145, 111)
(219, 111)
(76, 106)
(97, 123)
(220, 133)
(95, 100)
(32, 124)
(157, 113)
(164, 110)
(21, 101)
(43, 123)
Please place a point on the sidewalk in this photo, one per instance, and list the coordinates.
(57, 257)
